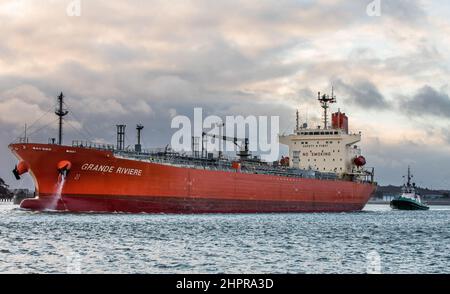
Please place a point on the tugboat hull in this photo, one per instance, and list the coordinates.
(406, 204)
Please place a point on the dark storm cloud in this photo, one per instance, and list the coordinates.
(362, 93)
(428, 101)
(426, 57)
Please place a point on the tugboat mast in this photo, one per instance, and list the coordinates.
(61, 112)
(409, 177)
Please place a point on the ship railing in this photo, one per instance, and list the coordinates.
(217, 165)
(92, 145)
(22, 140)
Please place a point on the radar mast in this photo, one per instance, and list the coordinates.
(325, 100)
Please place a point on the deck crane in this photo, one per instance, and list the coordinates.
(243, 153)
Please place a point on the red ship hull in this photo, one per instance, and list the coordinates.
(100, 182)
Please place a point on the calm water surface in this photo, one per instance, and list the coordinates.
(376, 239)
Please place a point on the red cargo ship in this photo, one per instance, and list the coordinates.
(94, 178)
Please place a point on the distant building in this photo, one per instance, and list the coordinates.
(433, 196)
(388, 198)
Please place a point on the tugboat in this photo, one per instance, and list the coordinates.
(409, 199)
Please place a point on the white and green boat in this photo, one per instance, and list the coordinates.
(409, 199)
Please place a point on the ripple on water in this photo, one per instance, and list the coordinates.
(265, 243)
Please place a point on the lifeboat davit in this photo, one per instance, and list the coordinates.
(21, 168)
(64, 167)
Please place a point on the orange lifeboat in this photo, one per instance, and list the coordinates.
(64, 167)
(21, 168)
(284, 161)
(359, 161)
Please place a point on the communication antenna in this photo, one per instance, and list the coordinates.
(325, 100)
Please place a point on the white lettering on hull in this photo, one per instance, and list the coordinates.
(111, 169)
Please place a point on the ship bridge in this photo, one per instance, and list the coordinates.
(328, 148)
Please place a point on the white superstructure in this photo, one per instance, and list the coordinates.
(325, 148)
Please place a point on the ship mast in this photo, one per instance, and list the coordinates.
(138, 147)
(409, 177)
(325, 100)
(60, 112)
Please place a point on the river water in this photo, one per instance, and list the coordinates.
(376, 240)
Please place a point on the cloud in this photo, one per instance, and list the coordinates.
(24, 104)
(428, 102)
(25, 93)
(362, 93)
(405, 10)
(392, 160)
(446, 134)
(146, 61)
(17, 112)
(140, 107)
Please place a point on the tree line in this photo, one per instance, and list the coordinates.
(5, 193)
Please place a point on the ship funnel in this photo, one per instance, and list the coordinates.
(64, 167)
(21, 168)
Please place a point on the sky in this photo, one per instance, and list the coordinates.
(146, 61)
